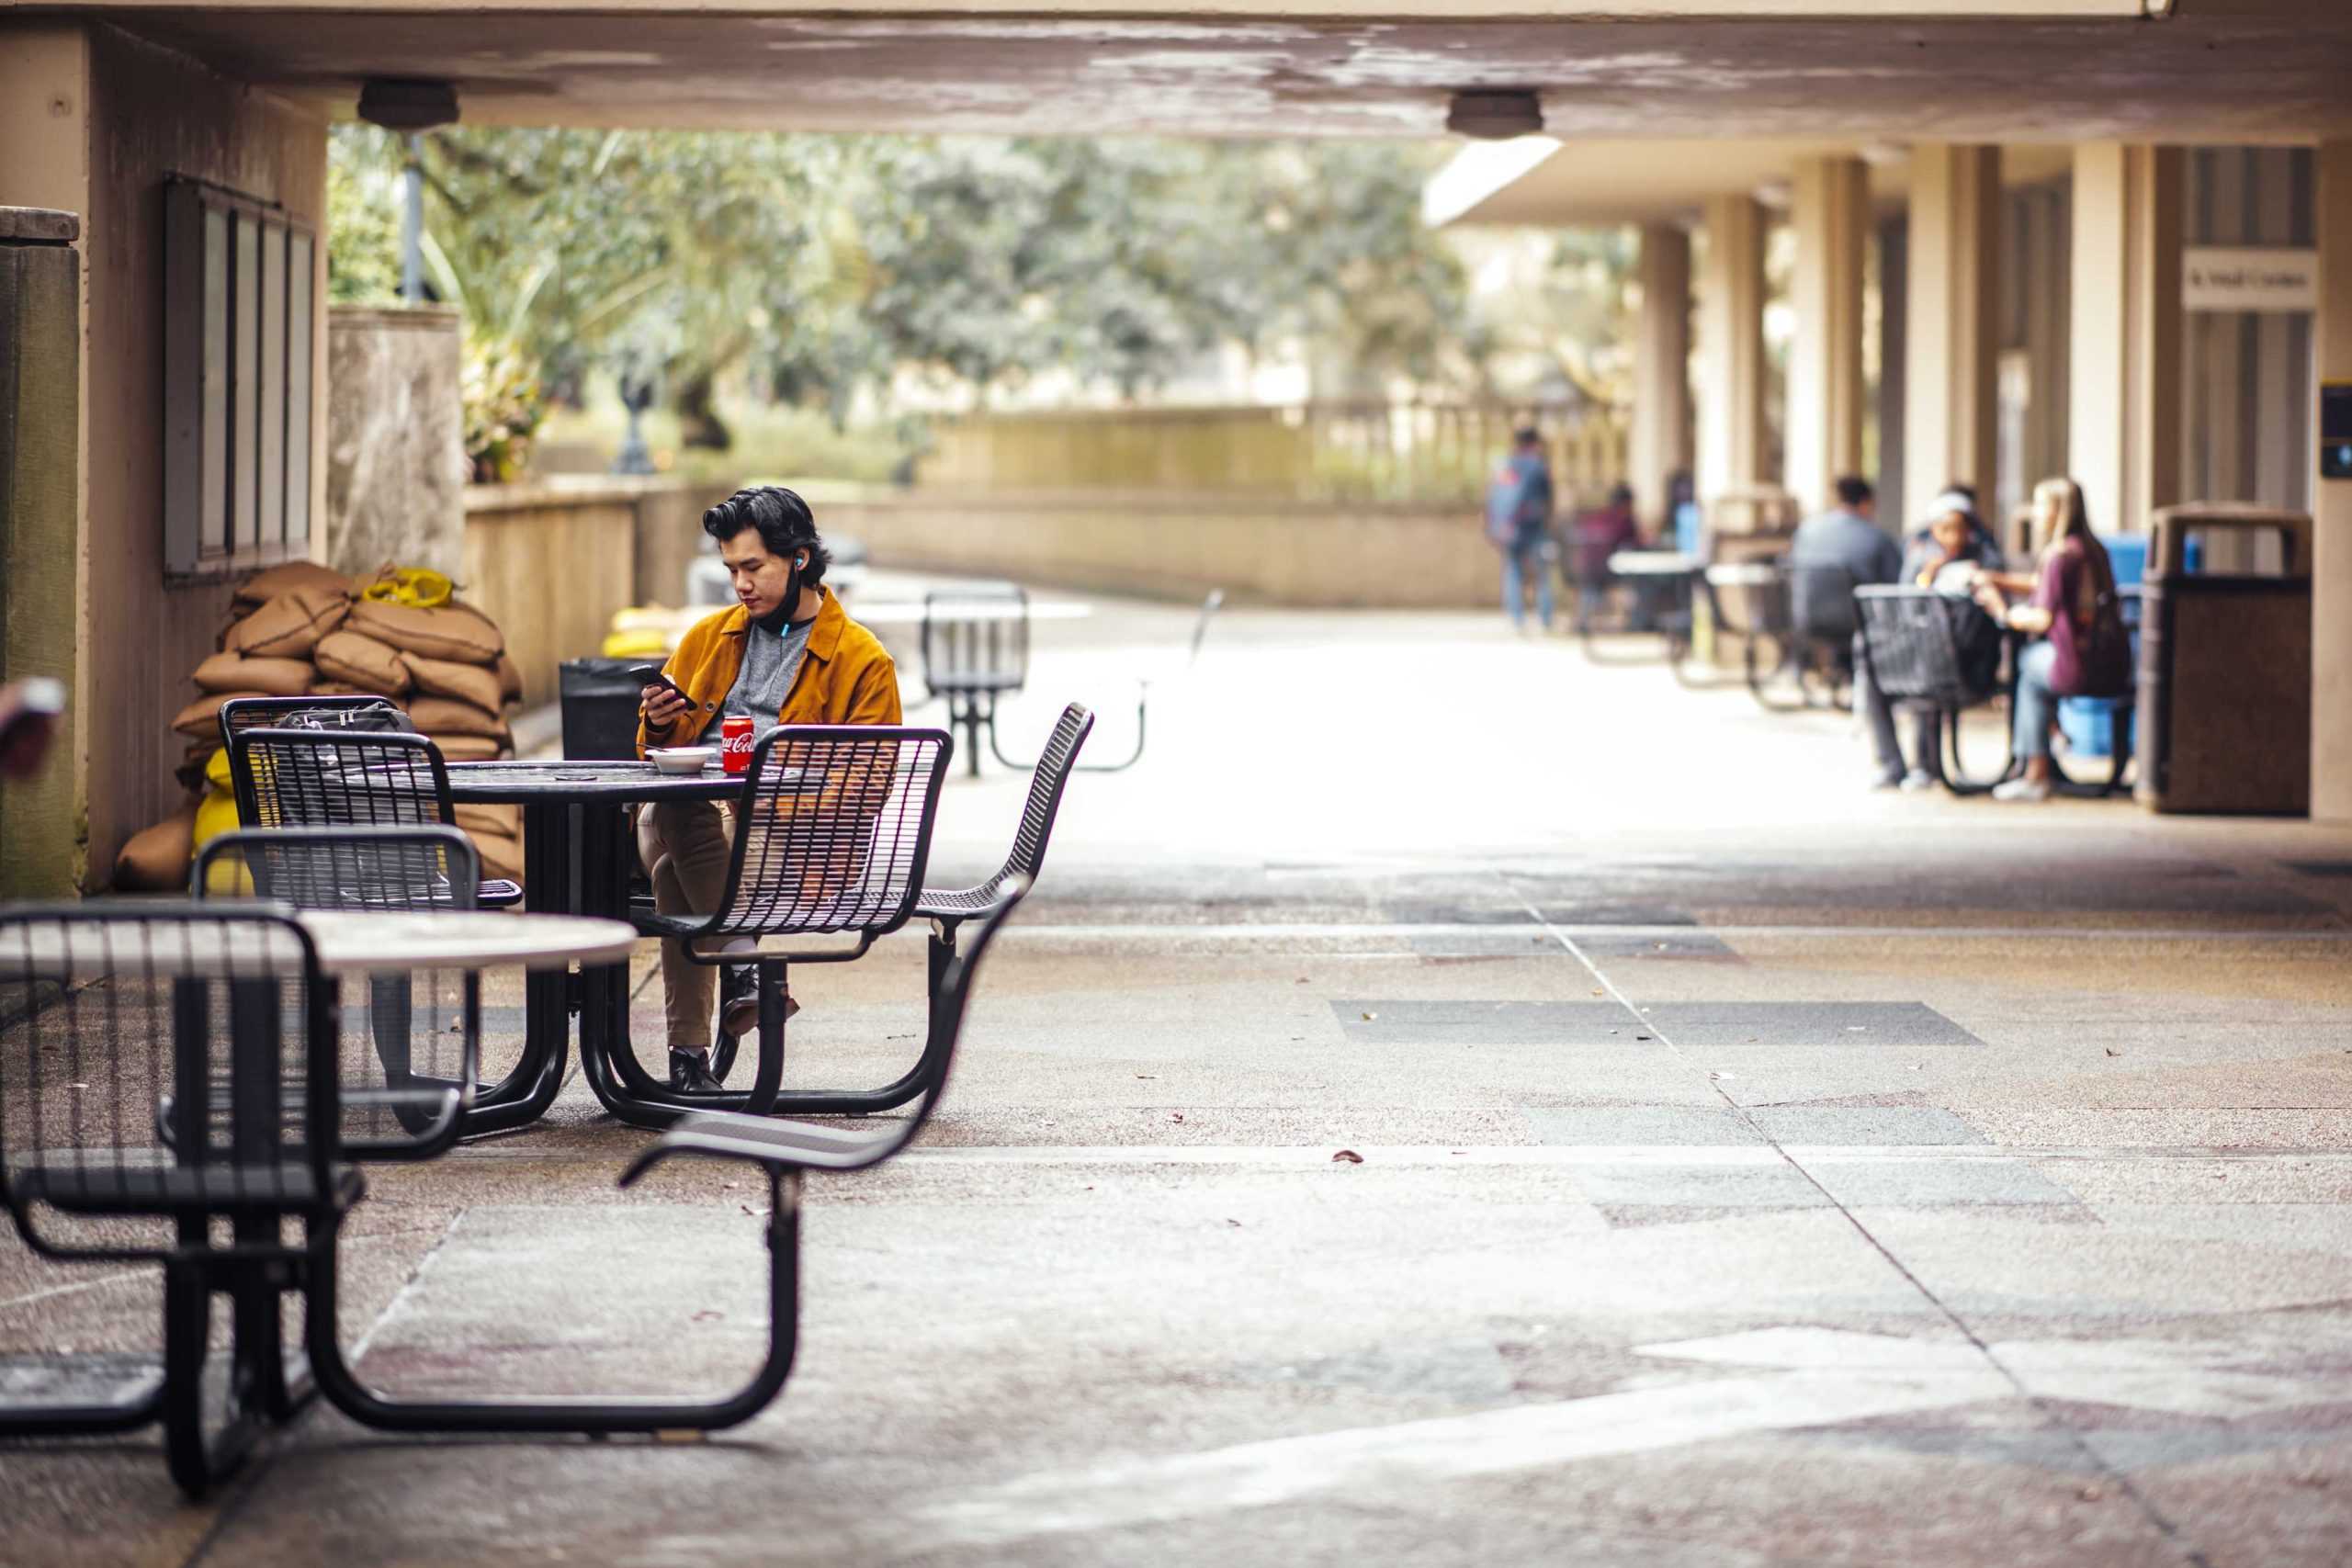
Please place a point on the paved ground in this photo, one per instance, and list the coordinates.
(1752, 1170)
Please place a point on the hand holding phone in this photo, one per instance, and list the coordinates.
(660, 700)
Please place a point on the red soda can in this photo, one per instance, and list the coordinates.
(735, 745)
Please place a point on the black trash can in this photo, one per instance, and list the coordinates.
(599, 700)
(2225, 666)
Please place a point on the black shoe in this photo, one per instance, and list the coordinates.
(739, 1000)
(690, 1072)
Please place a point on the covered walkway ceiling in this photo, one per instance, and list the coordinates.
(2217, 70)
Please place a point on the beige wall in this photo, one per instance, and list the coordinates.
(2331, 508)
(1178, 546)
(93, 120)
(396, 440)
(550, 563)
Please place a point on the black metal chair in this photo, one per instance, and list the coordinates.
(784, 1151)
(948, 909)
(215, 1016)
(974, 650)
(412, 1096)
(832, 833)
(1209, 608)
(342, 777)
(1939, 651)
(1816, 668)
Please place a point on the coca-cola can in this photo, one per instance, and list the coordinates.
(735, 744)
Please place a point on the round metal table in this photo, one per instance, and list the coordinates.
(577, 858)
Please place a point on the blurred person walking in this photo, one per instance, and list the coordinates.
(1519, 517)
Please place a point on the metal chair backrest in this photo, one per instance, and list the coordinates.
(1821, 600)
(370, 713)
(136, 1007)
(1209, 608)
(832, 830)
(1923, 646)
(975, 638)
(410, 1059)
(392, 870)
(1046, 786)
(337, 778)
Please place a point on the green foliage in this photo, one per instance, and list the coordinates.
(363, 220)
(826, 268)
(503, 404)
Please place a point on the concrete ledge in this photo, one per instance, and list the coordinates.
(39, 226)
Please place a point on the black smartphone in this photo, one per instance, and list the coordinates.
(651, 675)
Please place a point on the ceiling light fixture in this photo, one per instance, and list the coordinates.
(1494, 115)
(405, 104)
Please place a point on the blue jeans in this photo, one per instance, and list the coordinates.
(1522, 562)
(2037, 705)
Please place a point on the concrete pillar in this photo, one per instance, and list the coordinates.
(1660, 439)
(2332, 504)
(1830, 210)
(2124, 428)
(40, 370)
(1730, 348)
(1952, 358)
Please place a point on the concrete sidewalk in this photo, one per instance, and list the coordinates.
(1753, 1169)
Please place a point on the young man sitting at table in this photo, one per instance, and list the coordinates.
(786, 653)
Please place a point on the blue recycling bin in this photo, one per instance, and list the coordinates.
(2087, 721)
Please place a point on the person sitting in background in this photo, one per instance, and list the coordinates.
(1946, 553)
(1953, 535)
(2080, 647)
(1845, 538)
(1600, 532)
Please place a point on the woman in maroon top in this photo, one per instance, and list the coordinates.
(2079, 647)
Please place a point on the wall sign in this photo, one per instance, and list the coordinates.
(2214, 279)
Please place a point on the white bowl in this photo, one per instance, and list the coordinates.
(682, 759)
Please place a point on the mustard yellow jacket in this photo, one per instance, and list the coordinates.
(845, 679)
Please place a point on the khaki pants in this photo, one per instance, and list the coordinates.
(684, 845)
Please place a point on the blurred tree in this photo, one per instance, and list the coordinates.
(363, 218)
(831, 266)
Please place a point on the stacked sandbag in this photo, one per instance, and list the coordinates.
(302, 630)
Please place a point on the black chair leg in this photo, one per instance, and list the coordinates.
(197, 1463)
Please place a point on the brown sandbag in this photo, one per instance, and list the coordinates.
(446, 631)
(201, 720)
(326, 688)
(156, 860)
(499, 855)
(447, 678)
(235, 673)
(467, 748)
(362, 661)
(510, 681)
(264, 586)
(289, 625)
(479, 816)
(449, 715)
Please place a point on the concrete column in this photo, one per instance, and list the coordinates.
(2124, 427)
(1830, 212)
(1730, 348)
(1952, 358)
(1660, 440)
(2332, 504)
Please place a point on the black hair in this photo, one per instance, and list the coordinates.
(784, 521)
(1961, 487)
(1527, 436)
(1853, 491)
(1621, 494)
